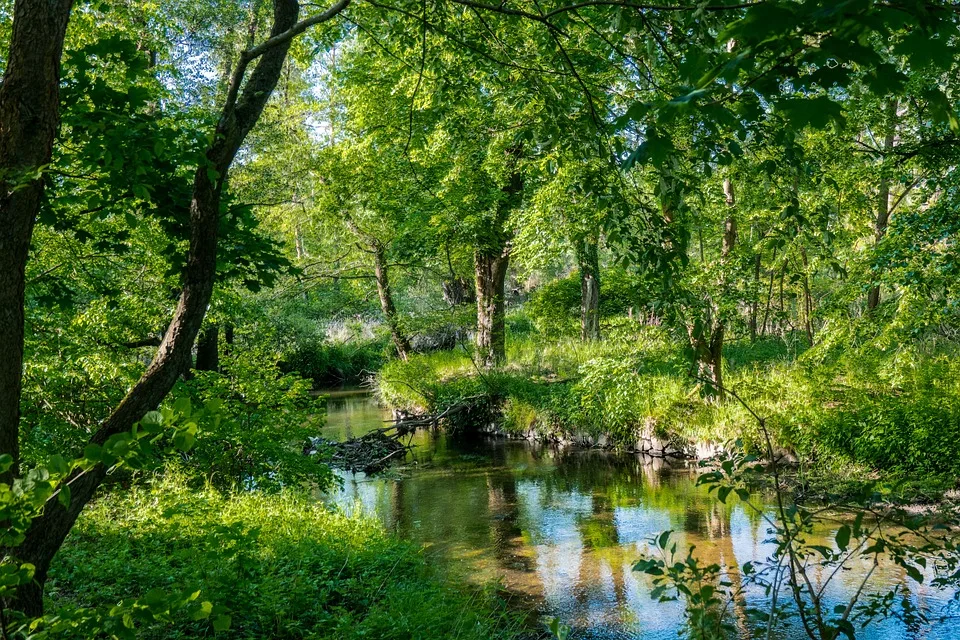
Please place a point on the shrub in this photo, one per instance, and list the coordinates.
(282, 564)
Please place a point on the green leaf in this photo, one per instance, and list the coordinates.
(221, 623)
(63, 497)
(843, 537)
(203, 611)
(722, 494)
(813, 112)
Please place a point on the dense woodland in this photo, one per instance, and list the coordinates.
(680, 228)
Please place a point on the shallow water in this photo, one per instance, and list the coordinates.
(561, 529)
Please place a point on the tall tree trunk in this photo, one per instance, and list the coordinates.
(707, 339)
(208, 349)
(766, 311)
(588, 260)
(491, 273)
(807, 297)
(755, 303)
(490, 262)
(400, 340)
(883, 195)
(240, 112)
(29, 118)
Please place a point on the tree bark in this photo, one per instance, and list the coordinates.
(755, 303)
(491, 274)
(400, 340)
(589, 262)
(208, 349)
(707, 340)
(457, 291)
(708, 355)
(29, 118)
(882, 219)
(47, 532)
(491, 259)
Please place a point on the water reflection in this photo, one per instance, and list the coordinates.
(562, 528)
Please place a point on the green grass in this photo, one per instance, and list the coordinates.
(869, 410)
(285, 567)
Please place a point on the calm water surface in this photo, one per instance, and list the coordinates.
(561, 529)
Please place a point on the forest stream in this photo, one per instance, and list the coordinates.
(561, 528)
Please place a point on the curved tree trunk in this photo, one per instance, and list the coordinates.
(239, 114)
(707, 340)
(400, 340)
(29, 117)
(589, 262)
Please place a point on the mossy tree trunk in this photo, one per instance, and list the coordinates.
(380, 270)
(491, 274)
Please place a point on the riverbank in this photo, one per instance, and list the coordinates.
(280, 565)
(856, 417)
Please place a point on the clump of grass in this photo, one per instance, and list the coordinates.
(284, 565)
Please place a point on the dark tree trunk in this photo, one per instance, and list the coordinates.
(707, 340)
(400, 340)
(208, 349)
(29, 117)
(588, 259)
(457, 291)
(490, 261)
(807, 297)
(491, 275)
(239, 114)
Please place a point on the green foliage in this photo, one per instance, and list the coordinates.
(862, 536)
(283, 565)
(555, 307)
(330, 363)
(264, 421)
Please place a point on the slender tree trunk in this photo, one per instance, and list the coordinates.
(491, 273)
(241, 111)
(708, 355)
(755, 303)
(883, 196)
(29, 117)
(208, 349)
(589, 263)
(400, 340)
(766, 311)
(807, 297)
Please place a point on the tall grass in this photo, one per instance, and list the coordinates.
(896, 411)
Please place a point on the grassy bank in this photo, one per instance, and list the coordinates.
(282, 565)
(892, 412)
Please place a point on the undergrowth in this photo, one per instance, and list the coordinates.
(283, 565)
(892, 412)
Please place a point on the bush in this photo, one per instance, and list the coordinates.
(282, 564)
(263, 421)
(330, 363)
